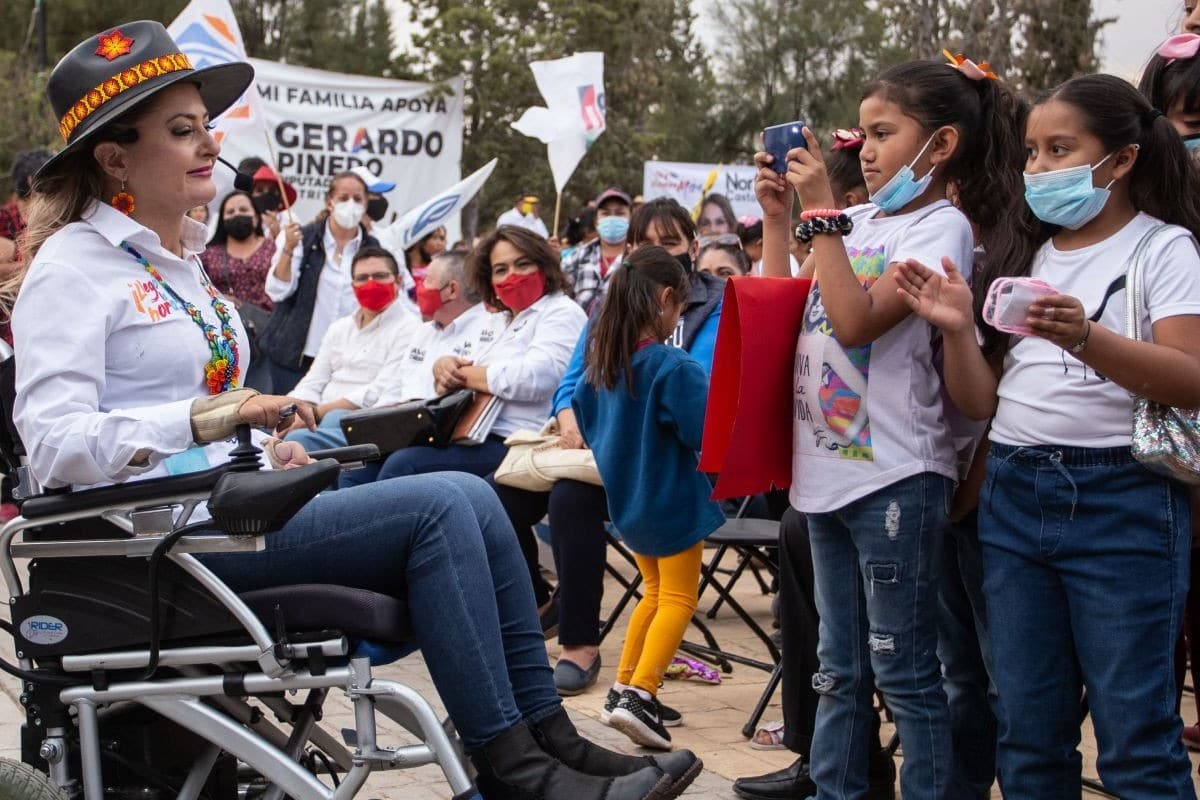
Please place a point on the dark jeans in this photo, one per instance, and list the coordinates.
(1085, 556)
(577, 515)
(875, 575)
(478, 460)
(963, 649)
(443, 542)
(283, 379)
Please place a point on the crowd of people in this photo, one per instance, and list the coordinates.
(971, 530)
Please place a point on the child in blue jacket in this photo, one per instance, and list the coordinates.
(641, 411)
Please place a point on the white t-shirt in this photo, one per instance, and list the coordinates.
(867, 417)
(1046, 395)
(352, 360)
(469, 335)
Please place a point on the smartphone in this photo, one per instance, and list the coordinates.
(779, 139)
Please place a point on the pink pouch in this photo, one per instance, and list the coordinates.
(1006, 307)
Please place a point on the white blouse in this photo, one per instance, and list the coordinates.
(529, 358)
(107, 364)
(468, 335)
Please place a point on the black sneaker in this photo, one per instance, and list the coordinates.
(639, 720)
(610, 703)
(669, 716)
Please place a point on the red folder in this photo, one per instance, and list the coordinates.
(748, 421)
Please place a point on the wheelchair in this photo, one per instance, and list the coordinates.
(143, 676)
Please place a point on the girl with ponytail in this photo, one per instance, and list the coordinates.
(874, 460)
(640, 408)
(1085, 550)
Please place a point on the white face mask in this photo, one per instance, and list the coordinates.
(347, 214)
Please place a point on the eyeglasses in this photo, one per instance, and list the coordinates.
(728, 239)
(378, 277)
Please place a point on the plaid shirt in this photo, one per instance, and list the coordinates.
(582, 268)
(11, 223)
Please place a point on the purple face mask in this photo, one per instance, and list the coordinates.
(1006, 307)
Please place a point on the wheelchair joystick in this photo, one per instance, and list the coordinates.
(245, 457)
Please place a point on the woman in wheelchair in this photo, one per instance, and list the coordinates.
(129, 365)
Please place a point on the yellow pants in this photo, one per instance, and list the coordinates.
(656, 628)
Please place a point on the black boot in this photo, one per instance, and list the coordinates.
(513, 767)
(558, 736)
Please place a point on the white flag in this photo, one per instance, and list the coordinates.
(573, 117)
(208, 33)
(431, 214)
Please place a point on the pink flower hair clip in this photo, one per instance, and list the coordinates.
(848, 139)
(969, 68)
(1183, 45)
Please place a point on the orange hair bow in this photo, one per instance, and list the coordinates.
(969, 68)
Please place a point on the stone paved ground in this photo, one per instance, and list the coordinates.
(713, 715)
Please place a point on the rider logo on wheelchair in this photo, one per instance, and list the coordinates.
(43, 629)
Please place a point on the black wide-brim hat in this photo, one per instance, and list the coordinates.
(106, 75)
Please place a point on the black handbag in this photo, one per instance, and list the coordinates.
(425, 423)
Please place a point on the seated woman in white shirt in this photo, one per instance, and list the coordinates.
(357, 352)
(149, 368)
(310, 282)
(517, 271)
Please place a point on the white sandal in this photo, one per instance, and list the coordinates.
(768, 737)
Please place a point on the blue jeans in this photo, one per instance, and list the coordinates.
(444, 542)
(481, 460)
(874, 569)
(328, 434)
(963, 649)
(1085, 556)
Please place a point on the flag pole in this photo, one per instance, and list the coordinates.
(287, 207)
(557, 209)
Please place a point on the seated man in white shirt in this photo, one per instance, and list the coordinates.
(357, 350)
(458, 325)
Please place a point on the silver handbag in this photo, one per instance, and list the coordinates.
(1165, 440)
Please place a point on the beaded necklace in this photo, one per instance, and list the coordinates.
(221, 371)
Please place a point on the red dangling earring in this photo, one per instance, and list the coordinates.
(123, 201)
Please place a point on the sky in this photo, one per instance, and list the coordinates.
(1125, 45)
(1141, 25)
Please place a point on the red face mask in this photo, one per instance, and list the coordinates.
(429, 300)
(519, 292)
(375, 296)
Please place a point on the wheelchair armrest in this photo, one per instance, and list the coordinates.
(254, 503)
(147, 492)
(358, 453)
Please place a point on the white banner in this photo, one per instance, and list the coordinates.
(208, 32)
(322, 123)
(574, 115)
(685, 182)
(437, 211)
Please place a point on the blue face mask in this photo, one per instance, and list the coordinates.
(612, 230)
(902, 189)
(1066, 197)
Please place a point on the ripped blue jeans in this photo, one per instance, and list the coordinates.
(875, 567)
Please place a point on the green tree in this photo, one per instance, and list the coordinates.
(790, 59)
(656, 81)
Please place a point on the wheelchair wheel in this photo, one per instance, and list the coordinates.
(22, 782)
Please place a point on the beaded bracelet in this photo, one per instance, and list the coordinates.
(819, 212)
(840, 223)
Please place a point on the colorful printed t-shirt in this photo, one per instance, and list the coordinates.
(867, 417)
